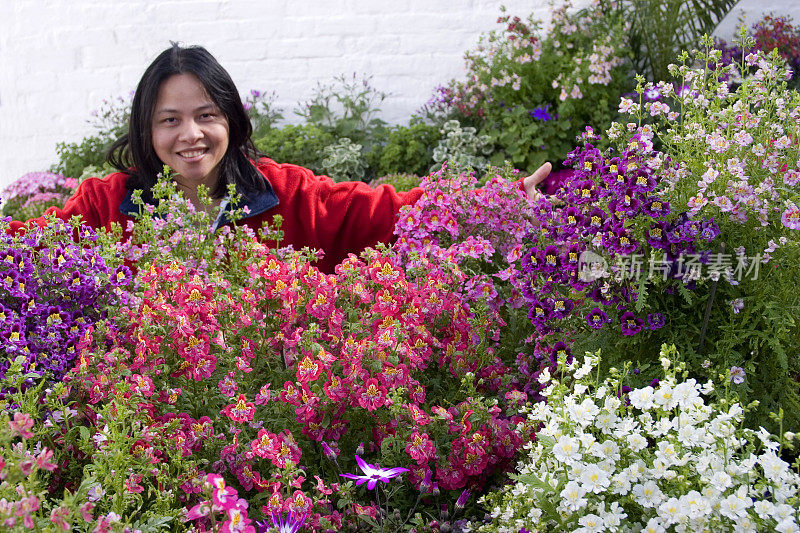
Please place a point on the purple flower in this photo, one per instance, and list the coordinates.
(562, 307)
(737, 375)
(709, 231)
(791, 217)
(737, 305)
(560, 351)
(596, 318)
(462, 500)
(373, 473)
(550, 258)
(656, 207)
(630, 324)
(541, 113)
(656, 321)
(292, 524)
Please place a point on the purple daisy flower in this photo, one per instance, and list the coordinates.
(596, 318)
(630, 324)
(656, 321)
(373, 473)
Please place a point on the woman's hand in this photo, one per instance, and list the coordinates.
(535, 179)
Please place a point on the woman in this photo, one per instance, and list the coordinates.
(187, 114)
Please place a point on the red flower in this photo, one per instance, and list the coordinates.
(420, 448)
(372, 395)
(264, 444)
(241, 411)
(308, 370)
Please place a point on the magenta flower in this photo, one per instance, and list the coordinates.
(373, 473)
(292, 524)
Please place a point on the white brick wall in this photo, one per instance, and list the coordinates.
(60, 58)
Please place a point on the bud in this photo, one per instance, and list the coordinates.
(435, 490)
(444, 513)
(329, 452)
(360, 449)
(462, 501)
(425, 486)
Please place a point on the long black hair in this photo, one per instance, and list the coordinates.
(134, 154)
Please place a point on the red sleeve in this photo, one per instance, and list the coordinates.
(95, 200)
(339, 218)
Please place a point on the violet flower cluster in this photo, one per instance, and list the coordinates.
(611, 212)
(51, 290)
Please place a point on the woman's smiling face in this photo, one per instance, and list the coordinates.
(189, 132)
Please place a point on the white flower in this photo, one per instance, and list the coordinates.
(584, 413)
(666, 452)
(591, 523)
(696, 505)
(764, 509)
(605, 421)
(774, 468)
(636, 442)
(653, 526)
(613, 518)
(721, 480)
(671, 511)
(621, 483)
(665, 397)
(641, 398)
(608, 450)
(567, 450)
(787, 525)
(734, 507)
(648, 494)
(573, 496)
(594, 479)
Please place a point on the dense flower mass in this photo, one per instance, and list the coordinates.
(29, 195)
(614, 230)
(660, 458)
(51, 290)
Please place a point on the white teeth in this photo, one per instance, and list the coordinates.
(193, 153)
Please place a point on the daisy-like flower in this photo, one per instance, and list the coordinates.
(373, 473)
(291, 524)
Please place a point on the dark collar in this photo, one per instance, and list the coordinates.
(258, 202)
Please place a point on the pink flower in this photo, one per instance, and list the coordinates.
(133, 483)
(372, 395)
(241, 411)
(43, 460)
(58, 517)
(420, 447)
(21, 425)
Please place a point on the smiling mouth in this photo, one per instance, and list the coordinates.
(193, 154)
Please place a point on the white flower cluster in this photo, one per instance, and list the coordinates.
(659, 459)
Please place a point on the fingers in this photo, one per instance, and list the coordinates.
(535, 179)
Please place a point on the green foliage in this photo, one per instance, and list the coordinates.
(659, 29)
(262, 110)
(343, 161)
(408, 149)
(462, 147)
(400, 181)
(346, 108)
(532, 92)
(110, 123)
(301, 144)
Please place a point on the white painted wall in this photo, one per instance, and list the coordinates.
(60, 58)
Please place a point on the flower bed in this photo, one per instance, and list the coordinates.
(225, 386)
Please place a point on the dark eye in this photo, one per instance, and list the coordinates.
(169, 120)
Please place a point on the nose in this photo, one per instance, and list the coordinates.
(190, 132)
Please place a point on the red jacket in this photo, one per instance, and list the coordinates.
(338, 218)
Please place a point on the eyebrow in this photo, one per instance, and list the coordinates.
(170, 110)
